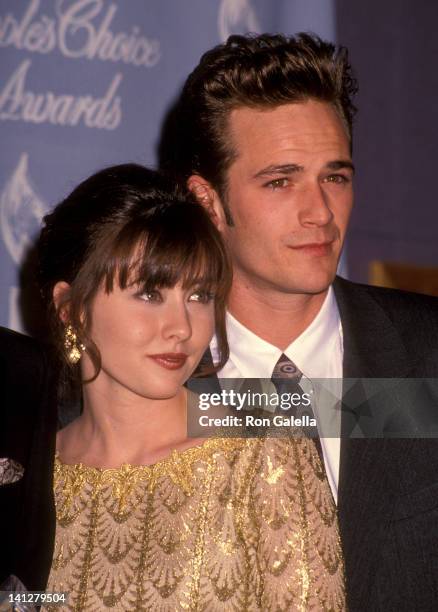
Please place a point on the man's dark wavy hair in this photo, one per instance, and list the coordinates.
(263, 71)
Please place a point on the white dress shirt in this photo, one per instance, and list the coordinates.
(317, 352)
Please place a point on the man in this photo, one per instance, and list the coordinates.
(264, 127)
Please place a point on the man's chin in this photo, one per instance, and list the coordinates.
(309, 275)
(312, 284)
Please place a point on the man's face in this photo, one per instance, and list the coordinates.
(290, 195)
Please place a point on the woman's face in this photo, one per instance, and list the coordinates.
(150, 343)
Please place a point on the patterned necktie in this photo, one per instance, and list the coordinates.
(286, 378)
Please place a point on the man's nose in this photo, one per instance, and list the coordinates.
(314, 206)
(177, 322)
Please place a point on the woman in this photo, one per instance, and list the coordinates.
(136, 277)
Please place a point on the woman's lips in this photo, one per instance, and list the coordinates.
(170, 361)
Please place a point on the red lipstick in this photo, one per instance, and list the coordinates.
(170, 361)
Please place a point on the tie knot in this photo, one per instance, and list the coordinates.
(285, 368)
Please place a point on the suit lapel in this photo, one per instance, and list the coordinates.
(368, 467)
(372, 345)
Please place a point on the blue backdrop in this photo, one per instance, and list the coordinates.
(86, 83)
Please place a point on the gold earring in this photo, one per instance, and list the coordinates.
(74, 349)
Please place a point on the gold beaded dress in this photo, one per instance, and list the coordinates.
(230, 525)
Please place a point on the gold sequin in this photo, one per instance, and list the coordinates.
(231, 525)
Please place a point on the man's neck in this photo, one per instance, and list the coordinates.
(278, 318)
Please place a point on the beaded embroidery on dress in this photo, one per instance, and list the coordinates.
(231, 525)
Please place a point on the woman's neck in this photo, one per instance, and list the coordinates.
(118, 429)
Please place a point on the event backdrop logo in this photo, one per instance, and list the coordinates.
(236, 16)
(78, 30)
(21, 211)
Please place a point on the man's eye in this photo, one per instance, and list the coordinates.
(203, 297)
(151, 296)
(279, 183)
(338, 179)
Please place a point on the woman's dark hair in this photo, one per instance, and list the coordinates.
(127, 224)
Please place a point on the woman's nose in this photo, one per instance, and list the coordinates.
(177, 323)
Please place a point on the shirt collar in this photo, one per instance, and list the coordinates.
(313, 349)
(254, 357)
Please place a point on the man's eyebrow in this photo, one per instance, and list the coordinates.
(339, 164)
(281, 169)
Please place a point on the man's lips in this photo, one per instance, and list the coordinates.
(313, 248)
(170, 361)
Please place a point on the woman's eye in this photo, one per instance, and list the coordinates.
(151, 296)
(279, 183)
(204, 297)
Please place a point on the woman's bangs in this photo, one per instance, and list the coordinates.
(163, 265)
(179, 245)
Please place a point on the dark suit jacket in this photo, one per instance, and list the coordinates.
(27, 435)
(388, 489)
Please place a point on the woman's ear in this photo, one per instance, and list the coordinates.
(208, 198)
(60, 298)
